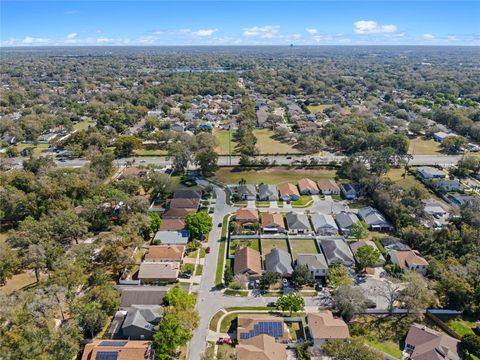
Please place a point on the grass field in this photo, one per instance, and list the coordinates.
(304, 201)
(303, 246)
(221, 253)
(269, 244)
(222, 137)
(420, 146)
(389, 347)
(254, 244)
(268, 145)
(38, 149)
(276, 175)
(18, 282)
(409, 181)
(83, 125)
(461, 326)
(317, 108)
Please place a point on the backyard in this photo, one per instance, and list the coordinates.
(254, 244)
(409, 181)
(277, 175)
(421, 146)
(266, 144)
(303, 247)
(269, 244)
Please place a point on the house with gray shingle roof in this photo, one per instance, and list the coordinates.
(336, 250)
(268, 192)
(324, 224)
(247, 192)
(140, 322)
(279, 261)
(345, 221)
(298, 223)
(428, 173)
(316, 263)
(374, 219)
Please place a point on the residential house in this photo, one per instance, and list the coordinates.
(324, 225)
(187, 194)
(324, 327)
(308, 187)
(348, 191)
(374, 219)
(358, 244)
(184, 203)
(440, 136)
(140, 321)
(279, 261)
(260, 347)
(445, 185)
(262, 116)
(161, 253)
(328, 187)
(157, 272)
(429, 173)
(247, 261)
(423, 343)
(272, 222)
(177, 213)
(392, 243)
(288, 192)
(251, 325)
(172, 225)
(336, 250)
(171, 237)
(409, 259)
(316, 263)
(461, 199)
(434, 208)
(247, 217)
(268, 192)
(345, 220)
(247, 192)
(298, 223)
(118, 349)
(142, 295)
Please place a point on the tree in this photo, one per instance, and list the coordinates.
(415, 296)
(36, 259)
(390, 291)
(268, 278)
(228, 276)
(453, 144)
(124, 145)
(338, 276)
(302, 351)
(207, 160)
(367, 256)
(9, 262)
(349, 300)
(471, 343)
(169, 336)
(352, 349)
(359, 230)
(181, 156)
(160, 185)
(155, 221)
(91, 317)
(102, 165)
(290, 302)
(301, 275)
(67, 225)
(199, 224)
(177, 297)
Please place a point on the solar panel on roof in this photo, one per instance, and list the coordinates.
(113, 343)
(106, 355)
(272, 328)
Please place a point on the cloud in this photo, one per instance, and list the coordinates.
(204, 32)
(372, 27)
(158, 32)
(29, 40)
(428, 36)
(312, 31)
(72, 36)
(104, 40)
(72, 12)
(264, 32)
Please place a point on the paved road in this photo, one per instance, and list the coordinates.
(443, 160)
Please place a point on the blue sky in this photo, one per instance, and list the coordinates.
(40, 23)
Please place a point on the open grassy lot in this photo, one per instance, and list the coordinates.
(421, 146)
(317, 108)
(38, 149)
(303, 247)
(18, 282)
(277, 175)
(268, 145)
(223, 137)
(269, 244)
(409, 181)
(83, 125)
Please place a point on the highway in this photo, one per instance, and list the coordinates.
(442, 160)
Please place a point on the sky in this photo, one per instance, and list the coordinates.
(356, 22)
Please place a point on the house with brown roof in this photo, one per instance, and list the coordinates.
(247, 261)
(328, 187)
(247, 217)
(308, 187)
(423, 343)
(260, 347)
(177, 213)
(272, 222)
(409, 259)
(158, 272)
(121, 349)
(172, 225)
(187, 203)
(288, 192)
(324, 327)
(251, 325)
(160, 253)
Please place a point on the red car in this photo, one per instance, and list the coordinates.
(207, 250)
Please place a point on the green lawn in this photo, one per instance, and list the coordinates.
(421, 146)
(303, 246)
(38, 149)
(254, 244)
(223, 146)
(199, 270)
(317, 108)
(304, 201)
(269, 244)
(405, 182)
(277, 175)
(461, 326)
(266, 144)
(17, 282)
(229, 323)
(389, 347)
(214, 320)
(296, 331)
(221, 254)
(83, 125)
(231, 292)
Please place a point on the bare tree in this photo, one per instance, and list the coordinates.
(390, 291)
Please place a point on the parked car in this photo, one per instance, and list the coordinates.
(371, 304)
(271, 304)
(207, 250)
(185, 275)
(219, 224)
